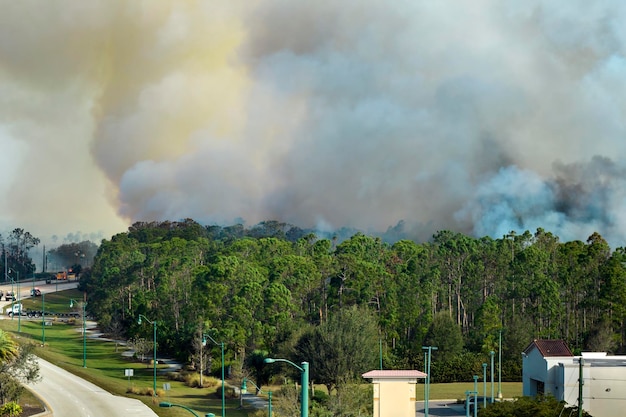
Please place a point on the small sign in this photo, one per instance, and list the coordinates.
(128, 372)
(166, 386)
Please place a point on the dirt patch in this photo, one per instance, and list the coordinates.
(31, 410)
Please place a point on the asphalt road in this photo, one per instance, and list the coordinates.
(25, 288)
(439, 408)
(67, 395)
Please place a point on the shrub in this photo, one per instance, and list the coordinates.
(133, 390)
(320, 397)
(148, 392)
(11, 409)
(176, 376)
(229, 392)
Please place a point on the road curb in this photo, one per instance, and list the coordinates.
(46, 406)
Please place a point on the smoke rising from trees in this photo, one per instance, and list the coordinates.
(478, 116)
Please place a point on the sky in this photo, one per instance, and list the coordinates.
(478, 116)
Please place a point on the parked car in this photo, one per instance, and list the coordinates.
(10, 296)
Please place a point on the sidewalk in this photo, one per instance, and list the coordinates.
(255, 401)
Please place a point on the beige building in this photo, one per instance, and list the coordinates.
(394, 392)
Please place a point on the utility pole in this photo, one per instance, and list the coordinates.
(581, 382)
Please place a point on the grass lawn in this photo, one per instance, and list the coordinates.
(106, 365)
(457, 390)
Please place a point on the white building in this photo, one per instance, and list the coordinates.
(550, 368)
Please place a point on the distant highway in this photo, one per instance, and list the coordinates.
(26, 286)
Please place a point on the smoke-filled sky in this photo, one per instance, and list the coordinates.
(479, 116)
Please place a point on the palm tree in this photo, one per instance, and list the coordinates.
(8, 348)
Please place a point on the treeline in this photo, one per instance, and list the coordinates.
(261, 289)
(15, 261)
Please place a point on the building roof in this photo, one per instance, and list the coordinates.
(549, 347)
(394, 374)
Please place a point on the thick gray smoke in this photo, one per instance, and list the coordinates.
(478, 116)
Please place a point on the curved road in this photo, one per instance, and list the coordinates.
(69, 395)
(66, 394)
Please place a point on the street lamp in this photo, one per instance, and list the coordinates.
(168, 405)
(491, 353)
(19, 303)
(221, 345)
(258, 391)
(475, 395)
(427, 386)
(484, 385)
(79, 255)
(500, 366)
(468, 403)
(84, 304)
(304, 381)
(154, 359)
(19, 314)
(43, 319)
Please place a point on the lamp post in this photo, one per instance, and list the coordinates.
(500, 366)
(43, 319)
(475, 394)
(19, 313)
(154, 359)
(427, 387)
(244, 389)
(221, 345)
(484, 385)
(84, 304)
(79, 255)
(166, 404)
(304, 381)
(491, 353)
(19, 303)
(468, 403)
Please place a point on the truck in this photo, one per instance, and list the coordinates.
(14, 309)
(18, 309)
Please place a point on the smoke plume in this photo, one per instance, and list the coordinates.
(478, 116)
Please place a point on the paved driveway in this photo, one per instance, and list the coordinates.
(440, 408)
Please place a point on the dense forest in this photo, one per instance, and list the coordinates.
(267, 288)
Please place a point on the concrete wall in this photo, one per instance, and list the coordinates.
(538, 370)
(394, 399)
(604, 388)
(534, 369)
